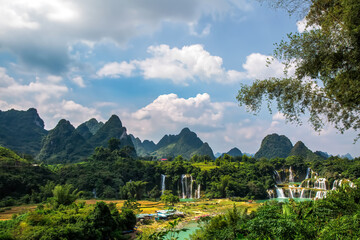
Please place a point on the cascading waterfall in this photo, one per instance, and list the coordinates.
(320, 183)
(291, 193)
(291, 176)
(279, 192)
(94, 193)
(307, 173)
(187, 185)
(277, 177)
(182, 186)
(163, 177)
(198, 190)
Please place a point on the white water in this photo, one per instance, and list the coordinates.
(280, 192)
(163, 177)
(307, 173)
(186, 186)
(320, 183)
(198, 191)
(277, 177)
(291, 176)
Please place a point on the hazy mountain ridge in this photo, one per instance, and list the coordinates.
(23, 131)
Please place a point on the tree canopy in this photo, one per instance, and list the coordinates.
(326, 58)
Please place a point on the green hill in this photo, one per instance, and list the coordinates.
(186, 144)
(18, 176)
(111, 129)
(143, 148)
(301, 150)
(273, 146)
(64, 144)
(22, 131)
(234, 152)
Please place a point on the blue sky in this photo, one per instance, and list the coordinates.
(159, 65)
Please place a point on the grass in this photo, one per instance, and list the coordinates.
(205, 166)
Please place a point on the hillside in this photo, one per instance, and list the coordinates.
(301, 150)
(113, 128)
(186, 143)
(64, 144)
(274, 145)
(21, 131)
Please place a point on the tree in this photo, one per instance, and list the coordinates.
(326, 58)
(65, 194)
(114, 144)
(169, 198)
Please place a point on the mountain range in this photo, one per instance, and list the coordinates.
(23, 132)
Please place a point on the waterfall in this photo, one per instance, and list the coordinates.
(198, 191)
(307, 173)
(94, 193)
(182, 185)
(291, 177)
(320, 194)
(320, 183)
(291, 193)
(280, 192)
(302, 193)
(335, 184)
(187, 186)
(277, 177)
(162, 183)
(191, 186)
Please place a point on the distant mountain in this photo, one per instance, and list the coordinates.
(234, 152)
(323, 155)
(348, 156)
(249, 154)
(111, 129)
(22, 131)
(143, 148)
(64, 144)
(300, 149)
(186, 143)
(273, 146)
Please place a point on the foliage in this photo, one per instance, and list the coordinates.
(169, 198)
(335, 217)
(76, 221)
(64, 195)
(327, 75)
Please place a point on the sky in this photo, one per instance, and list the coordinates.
(159, 65)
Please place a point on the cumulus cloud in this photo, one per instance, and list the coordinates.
(190, 63)
(116, 70)
(259, 66)
(47, 96)
(79, 81)
(44, 30)
(170, 112)
(193, 63)
(302, 26)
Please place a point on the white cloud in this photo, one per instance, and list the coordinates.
(204, 32)
(116, 70)
(278, 116)
(302, 26)
(190, 63)
(54, 79)
(259, 66)
(42, 30)
(79, 81)
(169, 113)
(47, 96)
